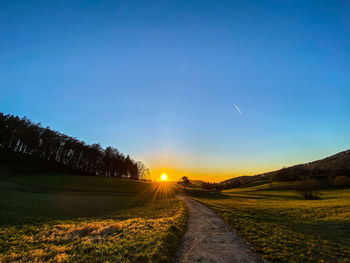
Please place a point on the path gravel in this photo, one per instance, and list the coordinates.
(209, 239)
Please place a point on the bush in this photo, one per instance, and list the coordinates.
(341, 181)
(309, 188)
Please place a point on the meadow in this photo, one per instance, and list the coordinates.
(70, 218)
(281, 226)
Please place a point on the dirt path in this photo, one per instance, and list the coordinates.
(209, 239)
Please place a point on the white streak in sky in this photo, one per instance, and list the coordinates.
(238, 109)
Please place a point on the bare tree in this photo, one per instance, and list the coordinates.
(144, 173)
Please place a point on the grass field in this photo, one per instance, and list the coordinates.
(283, 227)
(67, 218)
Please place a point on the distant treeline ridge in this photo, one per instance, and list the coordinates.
(23, 136)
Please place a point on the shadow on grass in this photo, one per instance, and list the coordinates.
(26, 204)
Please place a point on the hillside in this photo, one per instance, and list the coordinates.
(241, 180)
(331, 166)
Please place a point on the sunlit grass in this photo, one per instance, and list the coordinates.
(282, 226)
(129, 240)
(66, 219)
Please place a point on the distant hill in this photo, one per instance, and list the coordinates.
(332, 166)
(340, 160)
(246, 179)
(197, 182)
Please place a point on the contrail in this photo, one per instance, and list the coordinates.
(238, 109)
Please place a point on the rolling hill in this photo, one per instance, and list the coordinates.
(329, 167)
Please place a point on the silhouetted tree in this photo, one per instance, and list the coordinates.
(185, 182)
(144, 173)
(25, 137)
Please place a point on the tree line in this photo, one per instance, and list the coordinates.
(23, 136)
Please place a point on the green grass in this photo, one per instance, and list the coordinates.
(67, 218)
(283, 227)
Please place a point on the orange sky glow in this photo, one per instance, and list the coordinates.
(175, 174)
(216, 169)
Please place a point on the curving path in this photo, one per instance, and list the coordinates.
(209, 239)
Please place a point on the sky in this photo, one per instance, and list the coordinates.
(207, 89)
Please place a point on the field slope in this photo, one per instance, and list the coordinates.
(70, 218)
(281, 226)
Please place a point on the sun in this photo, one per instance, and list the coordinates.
(163, 177)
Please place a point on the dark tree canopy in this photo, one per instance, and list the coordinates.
(23, 136)
(185, 182)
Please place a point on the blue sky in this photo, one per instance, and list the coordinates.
(159, 79)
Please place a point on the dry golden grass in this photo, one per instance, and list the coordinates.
(115, 220)
(72, 242)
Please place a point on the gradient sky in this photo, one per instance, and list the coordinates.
(159, 80)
